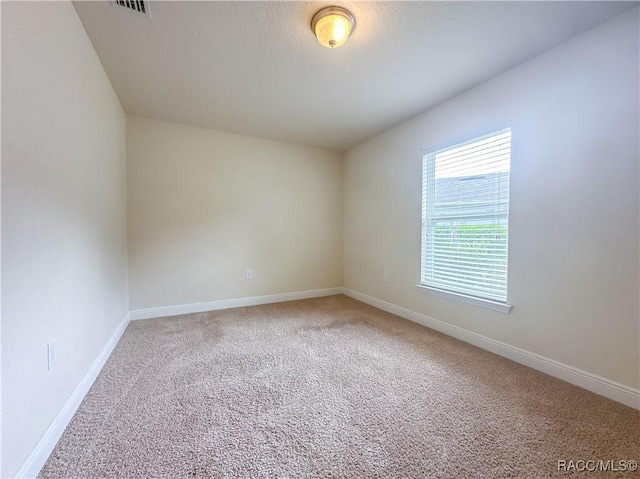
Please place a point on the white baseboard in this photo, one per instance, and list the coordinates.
(230, 303)
(41, 452)
(610, 389)
(597, 384)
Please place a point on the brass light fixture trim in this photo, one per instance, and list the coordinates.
(332, 26)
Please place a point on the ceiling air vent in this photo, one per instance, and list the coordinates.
(140, 6)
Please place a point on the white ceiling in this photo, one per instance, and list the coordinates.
(255, 67)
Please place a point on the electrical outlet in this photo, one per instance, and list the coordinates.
(248, 274)
(52, 354)
(385, 277)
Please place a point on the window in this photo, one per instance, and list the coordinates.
(465, 217)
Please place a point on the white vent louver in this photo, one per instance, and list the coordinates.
(140, 6)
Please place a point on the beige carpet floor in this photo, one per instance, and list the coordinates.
(328, 388)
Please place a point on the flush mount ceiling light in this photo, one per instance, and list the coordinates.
(332, 26)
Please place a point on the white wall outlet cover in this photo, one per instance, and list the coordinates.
(248, 274)
(52, 354)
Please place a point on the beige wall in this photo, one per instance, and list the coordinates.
(573, 253)
(204, 206)
(64, 266)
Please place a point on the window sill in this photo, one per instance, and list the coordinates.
(483, 303)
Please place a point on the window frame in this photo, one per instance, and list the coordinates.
(459, 293)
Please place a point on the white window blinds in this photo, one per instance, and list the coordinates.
(465, 217)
